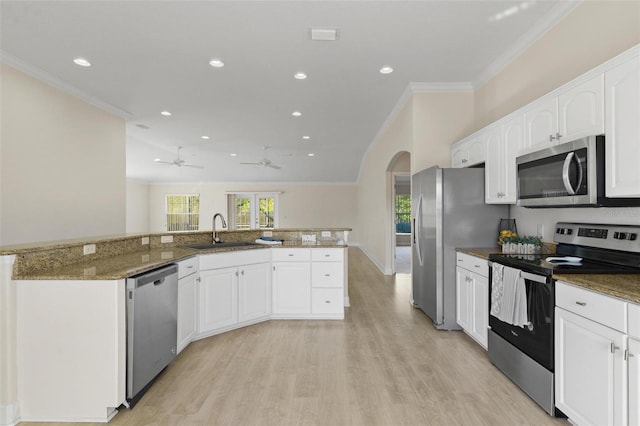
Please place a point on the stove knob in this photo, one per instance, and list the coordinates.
(569, 231)
(616, 235)
(623, 236)
(633, 237)
(558, 230)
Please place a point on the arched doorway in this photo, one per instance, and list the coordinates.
(399, 207)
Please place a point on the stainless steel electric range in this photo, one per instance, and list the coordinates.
(525, 353)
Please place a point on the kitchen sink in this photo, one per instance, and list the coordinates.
(220, 245)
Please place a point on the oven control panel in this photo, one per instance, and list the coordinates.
(613, 237)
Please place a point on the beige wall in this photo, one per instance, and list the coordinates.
(440, 119)
(137, 207)
(593, 33)
(304, 205)
(62, 164)
(374, 186)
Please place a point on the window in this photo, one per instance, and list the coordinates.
(403, 214)
(183, 212)
(253, 210)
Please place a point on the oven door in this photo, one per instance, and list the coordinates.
(560, 175)
(535, 339)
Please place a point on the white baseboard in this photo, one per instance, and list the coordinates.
(9, 414)
(385, 271)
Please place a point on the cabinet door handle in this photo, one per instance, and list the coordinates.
(274, 269)
(551, 138)
(464, 160)
(581, 303)
(614, 348)
(558, 135)
(627, 355)
(242, 273)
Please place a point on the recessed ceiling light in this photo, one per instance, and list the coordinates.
(165, 113)
(82, 62)
(323, 34)
(296, 113)
(306, 137)
(205, 137)
(386, 70)
(233, 155)
(300, 75)
(311, 154)
(216, 63)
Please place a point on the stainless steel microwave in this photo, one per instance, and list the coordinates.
(570, 174)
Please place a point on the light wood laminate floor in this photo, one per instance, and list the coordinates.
(384, 365)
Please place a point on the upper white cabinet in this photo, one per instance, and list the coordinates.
(504, 141)
(622, 90)
(469, 151)
(574, 112)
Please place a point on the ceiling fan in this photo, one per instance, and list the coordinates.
(178, 161)
(265, 162)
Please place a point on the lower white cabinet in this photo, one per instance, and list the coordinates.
(472, 297)
(187, 301)
(291, 288)
(236, 293)
(592, 385)
(633, 359)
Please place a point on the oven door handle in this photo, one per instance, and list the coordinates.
(533, 277)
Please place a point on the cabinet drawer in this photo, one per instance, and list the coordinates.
(234, 258)
(291, 254)
(634, 320)
(327, 301)
(594, 306)
(327, 255)
(187, 267)
(473, 264)
(327, 274)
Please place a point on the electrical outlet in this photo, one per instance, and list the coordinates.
(166, 239)
(89, 249)
(267, 234)
(90, 271)
(166, 255)
(326, 234)
(540, 230)
(145, 241)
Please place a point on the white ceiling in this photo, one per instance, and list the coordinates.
(150, 56)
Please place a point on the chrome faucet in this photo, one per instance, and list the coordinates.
(215, 233)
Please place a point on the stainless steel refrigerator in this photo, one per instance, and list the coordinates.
(448, 212)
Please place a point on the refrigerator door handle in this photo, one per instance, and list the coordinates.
(416, 232)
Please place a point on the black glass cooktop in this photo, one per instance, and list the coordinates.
(537, 263)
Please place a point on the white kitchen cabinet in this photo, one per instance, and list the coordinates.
(622, 91)
(469, 151)
(633, 360)
(187, 301)
(591, 370)
(575, 111)
(327, 282)
(291, 288)
(504, 142)
(235, 292)
(472, 296)
(218, 299)
(254, 292)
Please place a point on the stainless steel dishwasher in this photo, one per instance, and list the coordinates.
(152, 306)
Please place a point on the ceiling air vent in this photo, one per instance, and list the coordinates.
(323, 34)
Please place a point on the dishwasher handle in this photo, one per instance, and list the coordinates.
(155, 277)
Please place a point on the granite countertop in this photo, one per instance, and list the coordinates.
(125, 265)
(622, 286)
(481, 252)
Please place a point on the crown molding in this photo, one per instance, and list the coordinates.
(560, 11)
(453, 87)
(59, 84)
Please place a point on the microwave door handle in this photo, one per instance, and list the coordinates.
(565, 174)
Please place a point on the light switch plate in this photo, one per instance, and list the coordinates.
(267, 234)
(145, 241)
(326, 234)
(309, 238)
(166, 239)
(89, 249)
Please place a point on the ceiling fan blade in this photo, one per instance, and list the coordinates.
(163, 162)
(192, 165)
(274, 166)
(252, 164)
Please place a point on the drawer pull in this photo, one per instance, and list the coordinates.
(327, 275)
(477, 266)
(290, 254)
(190, 267)
(327, 301)
(327, 255)
(581, 303)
